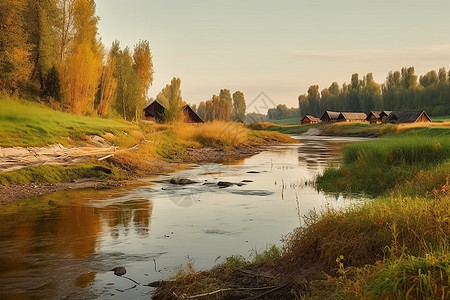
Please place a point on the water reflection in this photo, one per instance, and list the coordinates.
(64, 244)
(45, 247)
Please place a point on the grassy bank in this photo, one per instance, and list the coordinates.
(24, 123)
(412, 163)
(142, 149)
(392, 247)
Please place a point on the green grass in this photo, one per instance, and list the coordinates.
(413, 164)
(60, 173)
(291, 121)
(440, 119)
(24, 123)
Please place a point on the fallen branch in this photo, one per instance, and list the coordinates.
(105, 157)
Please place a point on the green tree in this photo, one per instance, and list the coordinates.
(238, 106)
(42, 24)
(128, 85)
(170, 97)
(224, 108)
(52, 84)
(143, 67)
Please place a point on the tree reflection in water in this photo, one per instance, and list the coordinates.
(47, 244)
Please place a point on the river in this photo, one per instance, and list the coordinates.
(64, 245)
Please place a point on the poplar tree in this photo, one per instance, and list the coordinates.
(82, 68)
(170, 98)
(238, 106)
(143, 66)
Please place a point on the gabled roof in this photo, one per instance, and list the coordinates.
(352, 116)
(312, 118)
(385, 112)
(405, 116)
(375, 113)
(155, 104)
(331, 114)
(196, 118)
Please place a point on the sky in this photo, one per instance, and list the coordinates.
(273, 51)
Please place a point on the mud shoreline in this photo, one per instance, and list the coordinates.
(10, 193)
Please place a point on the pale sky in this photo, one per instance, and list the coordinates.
(278, 47)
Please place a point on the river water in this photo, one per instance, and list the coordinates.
(64, 245)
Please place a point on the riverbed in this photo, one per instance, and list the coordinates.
(64, 245)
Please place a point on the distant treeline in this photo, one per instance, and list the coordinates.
(402, 90)
(223, 107)
(51, 51)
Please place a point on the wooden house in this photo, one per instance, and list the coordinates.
(190, 116)
(374, 117)
(308, 119)
(155, 112)
(329, 116)
(407, 117)
(351, 117)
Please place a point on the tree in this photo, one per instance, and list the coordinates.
(42, 22)
(170, 97)
(82, 68)
(225, 106)
(66, 28)
(14, 49)
(128, 86)
(52, 84)
(238, 106)
(143, 66)
(108, 85)
(201, 111)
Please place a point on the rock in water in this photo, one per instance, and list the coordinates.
(181, 181)
(119, 271)
(224, 184)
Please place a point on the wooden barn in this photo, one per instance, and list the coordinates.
(329, 116)
(351, 117)
(407, 117)
(190, 116)
(308, 119)
(374, 117)
(155, 112)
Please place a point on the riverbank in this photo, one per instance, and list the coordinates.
(353, 129)
(43, 151)
(393, 246)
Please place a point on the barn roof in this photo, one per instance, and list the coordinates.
(312, 118)
(196, 118)
(333, 115)
(155, 104)
(353, 115)
(375, 113)
(405, 116)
